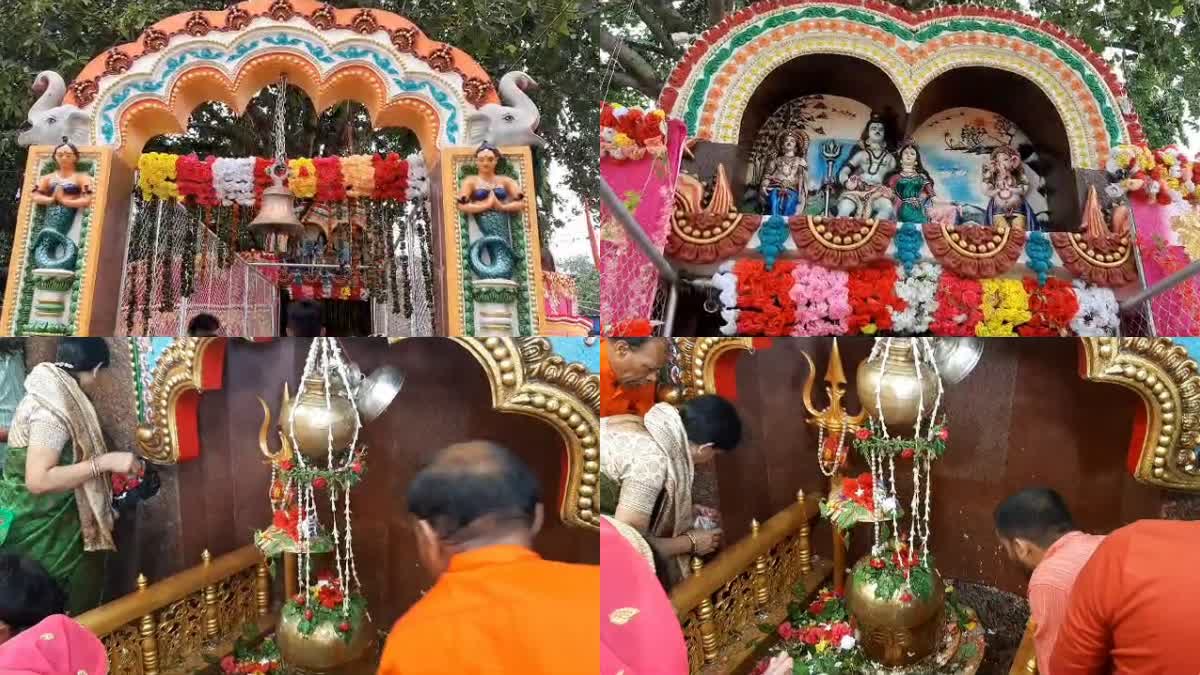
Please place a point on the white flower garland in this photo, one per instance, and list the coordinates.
(919, 290)
(1099, 313)
(233, 180)
(726, 282)
(418, 177)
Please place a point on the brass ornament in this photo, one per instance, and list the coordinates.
(897, 391)
(324, 649)
(177, 372)
(527, 377)
(698, 359)
(310, 426)
(894, 632)
(1167, 379)
(833, 419)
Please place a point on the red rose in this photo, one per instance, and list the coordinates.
(907, 453)
(328, 601)
(943, 433)
(862, 434)
(812, 636)
(300, 599)
(319, 483)
(344, 626)
(286, 465)
(308, 615)
(785, 631)
(356, 468)
(906, 597)
(816, 608)
(228, 664)
(877, 563)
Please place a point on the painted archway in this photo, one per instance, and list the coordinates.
(138, 90)
(711, 87)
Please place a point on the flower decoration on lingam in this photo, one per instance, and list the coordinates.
(325, 625)
(895, 596)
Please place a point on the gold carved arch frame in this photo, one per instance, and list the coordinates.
(697, 359)
(1166, 430)
(527, 377)
(187, 368)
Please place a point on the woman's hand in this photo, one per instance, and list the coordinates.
(120, 462)
(707, 541)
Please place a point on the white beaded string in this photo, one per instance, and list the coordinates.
(887, 348)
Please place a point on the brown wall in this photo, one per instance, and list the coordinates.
(222, 496)
(1023, 417)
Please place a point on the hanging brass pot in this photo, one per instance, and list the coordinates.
(313, 420)
(895, 632)
(897, 391)
(324, 650)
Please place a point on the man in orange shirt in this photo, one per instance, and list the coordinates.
(1136, 605)
(628, 374)
(497, 607)
(1036, 531)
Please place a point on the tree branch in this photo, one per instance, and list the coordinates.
(624, 80)
(672, 20)
(634, 63)
(657, 29)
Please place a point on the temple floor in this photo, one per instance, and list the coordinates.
(1003, 615)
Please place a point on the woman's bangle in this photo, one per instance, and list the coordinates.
(95, 468)
(692, 538)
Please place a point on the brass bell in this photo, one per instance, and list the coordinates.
(277, 215)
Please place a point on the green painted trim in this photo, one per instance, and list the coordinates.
(715, 59)
(502, 296)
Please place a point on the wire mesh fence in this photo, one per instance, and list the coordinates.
(243, 299)
(1175, 313)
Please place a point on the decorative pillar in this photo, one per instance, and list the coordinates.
(149, 632)
(761, 595)
(805, 550)
(708, 628)
(212, 628)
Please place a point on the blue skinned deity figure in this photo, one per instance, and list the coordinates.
(784, 188)
(864, 194)
(63, 193)
(492, 200)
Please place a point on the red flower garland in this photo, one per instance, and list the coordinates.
(959, 306)
(873, 297)
(331, 184)
(262, 179)
(195, 179)
(1052, 305)
(765, 298)
(851, 486)
(391, 177)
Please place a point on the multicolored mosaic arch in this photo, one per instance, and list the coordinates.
(138, 90)
(710, 89)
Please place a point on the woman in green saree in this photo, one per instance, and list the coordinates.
(55, 489)
(646, 469)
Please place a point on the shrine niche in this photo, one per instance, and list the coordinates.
(879, 433)
(171, 376)
(359, 228)
(925, 173)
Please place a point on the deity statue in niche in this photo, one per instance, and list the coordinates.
(63, 192)
(912, 185)
(491, 200)
(1006, 186)
(784, 189)
(864, 192)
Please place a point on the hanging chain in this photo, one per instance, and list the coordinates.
(280, 123)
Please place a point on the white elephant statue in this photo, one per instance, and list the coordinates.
(50, 120)
(514, 123)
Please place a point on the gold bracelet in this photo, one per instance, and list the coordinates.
(95, 469)
(691, 538)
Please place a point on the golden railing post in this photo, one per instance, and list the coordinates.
(708, 628)
(212, 628)
(149, 633)
(760, 571)
(262, 588)
(805, 550)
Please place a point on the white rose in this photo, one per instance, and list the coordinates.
(847, 642)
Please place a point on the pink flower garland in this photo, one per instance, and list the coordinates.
(822, 299)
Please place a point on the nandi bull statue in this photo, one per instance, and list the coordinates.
(514, 123)
(49, 120)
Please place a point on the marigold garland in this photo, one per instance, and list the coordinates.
(331, 184)
(821, 297)
(156, 176)
(194, 178)
(302, 178)
(872, 292)
(359, 172)
(764, 298)
(391, 177)
(959, 306)
(1005, 306)
(1052, 307)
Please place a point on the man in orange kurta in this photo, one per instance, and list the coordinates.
(628, 374)
(497, 607)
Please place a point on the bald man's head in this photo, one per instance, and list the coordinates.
(472, 491)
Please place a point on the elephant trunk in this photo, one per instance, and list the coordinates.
(52, 89)
(512, 91)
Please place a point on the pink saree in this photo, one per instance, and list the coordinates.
(639, 634)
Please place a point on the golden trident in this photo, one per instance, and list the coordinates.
(836, 423)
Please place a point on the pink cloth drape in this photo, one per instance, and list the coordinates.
(1176, 312)
(647, 186)
(639, 633)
